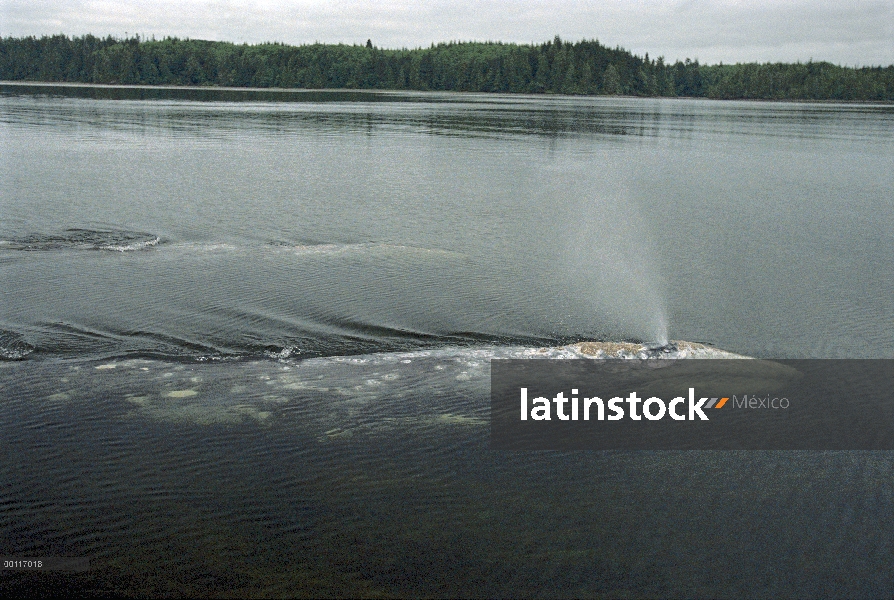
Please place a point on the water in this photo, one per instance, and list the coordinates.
(251, 330)
(360, 225)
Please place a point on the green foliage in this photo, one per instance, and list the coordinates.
(611, 80)
(557, 66)
(810, 81)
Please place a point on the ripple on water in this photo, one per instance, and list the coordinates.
(119, 240)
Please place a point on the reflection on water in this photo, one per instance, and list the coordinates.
(208, 109)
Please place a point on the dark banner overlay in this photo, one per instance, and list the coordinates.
(692, 404)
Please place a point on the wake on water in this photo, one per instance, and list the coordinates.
(370, 394)
(615, 266)
(84, 239)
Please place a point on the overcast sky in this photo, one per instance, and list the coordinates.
(848, 32)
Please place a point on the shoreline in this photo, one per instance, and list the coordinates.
(398, 92)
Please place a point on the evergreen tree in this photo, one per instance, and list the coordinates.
(556, 66)
(611, 81)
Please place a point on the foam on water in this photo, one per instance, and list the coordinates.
(13, 346)
(126, 241)
(300, 249)
(368, 393)
(142, 245)
(578, 350)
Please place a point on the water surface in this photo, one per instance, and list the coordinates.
(245, 338)
(345, 224)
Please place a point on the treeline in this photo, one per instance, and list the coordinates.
(584, 67)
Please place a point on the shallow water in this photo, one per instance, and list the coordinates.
(245, 340)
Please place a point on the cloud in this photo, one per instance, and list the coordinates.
(856, 32)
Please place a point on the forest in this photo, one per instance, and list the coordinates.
(557, 67)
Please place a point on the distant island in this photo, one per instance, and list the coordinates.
(554, 67)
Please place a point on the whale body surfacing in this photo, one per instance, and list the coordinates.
(674, 350)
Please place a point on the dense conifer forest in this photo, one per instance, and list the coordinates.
(557, 66)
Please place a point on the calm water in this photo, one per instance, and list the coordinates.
(245, 337)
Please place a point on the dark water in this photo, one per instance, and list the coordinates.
(245, 338)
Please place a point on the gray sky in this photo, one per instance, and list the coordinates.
(855, 32)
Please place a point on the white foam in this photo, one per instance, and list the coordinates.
(365, 247)
(132, 246)
(14, 353)
(478, 356)
(203, 247)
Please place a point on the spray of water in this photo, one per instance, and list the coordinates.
(613, 268)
